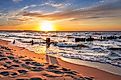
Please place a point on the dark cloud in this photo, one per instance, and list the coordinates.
(19, 19)
(34, 14)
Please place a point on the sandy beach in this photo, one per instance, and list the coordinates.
(85, 70)
(17, 63)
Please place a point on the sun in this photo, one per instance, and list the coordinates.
(46, 26)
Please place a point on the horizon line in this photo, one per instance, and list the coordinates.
(58, 31)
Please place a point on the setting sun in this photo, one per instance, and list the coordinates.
(46, 26)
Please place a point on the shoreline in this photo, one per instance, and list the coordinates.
(41, 58)
(101, 66)
(85, 70)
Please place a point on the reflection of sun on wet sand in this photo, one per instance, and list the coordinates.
(20, 64)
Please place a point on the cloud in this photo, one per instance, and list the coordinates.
(106, 10)
(27, 7)
(21, 19)
(17, 0)
(57, 5)
(32, 14)
(50, 4)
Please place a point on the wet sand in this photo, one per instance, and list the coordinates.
(87, 71)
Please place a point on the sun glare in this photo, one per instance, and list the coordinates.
(46, 26)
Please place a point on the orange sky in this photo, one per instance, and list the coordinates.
(65, 15)
(106, 24)
(67, 28)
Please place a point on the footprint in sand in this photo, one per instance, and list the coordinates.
(36, 64)
(35, 78)
(7, 73)
(3, 58)
(22, 71)
(37, 69)
(15, 66)
(4, 73)
(23, 79)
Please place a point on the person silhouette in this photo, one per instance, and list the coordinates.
(14, 42)
(32, 42)
(48, 42)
